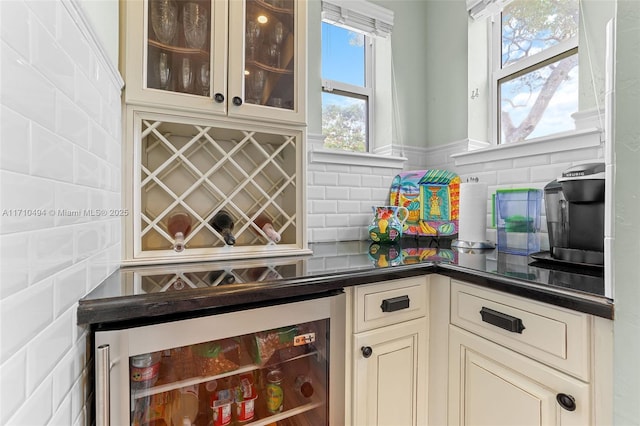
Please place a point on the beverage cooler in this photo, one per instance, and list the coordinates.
(273, 365)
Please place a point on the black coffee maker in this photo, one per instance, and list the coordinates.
(574, 206)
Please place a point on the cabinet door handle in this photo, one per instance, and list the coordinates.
(566, 401)
(499, 319)
(219, 98)
(395, 303)
(366, 351)
(237, 100)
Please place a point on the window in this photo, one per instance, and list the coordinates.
(347, 85)
(535, 63)
(350, 30)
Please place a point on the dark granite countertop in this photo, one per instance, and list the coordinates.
(148, 294)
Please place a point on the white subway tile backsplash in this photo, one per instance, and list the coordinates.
(348, 179)
(14, 26)
(51, 252)
(51, 60)
(75, 43)
(46, 349)
(60, 147)
(26, 202)
(37, 409)
(360, 194)
(45, 15)
(335, 192)
(545, 174)
(513, 176)
(325, 206)
(13, 385)
(316, 192)
(87, 96)
(31, 95)
(51, 155)
(15, 252)
(15, 141)
(325, 234)
(72, 122)
(23, 316)
(348, 206)
(62, 415)
(68, 287)
(325, 178)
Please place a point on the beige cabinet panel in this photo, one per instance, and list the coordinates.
(492, 385)
(390, 375)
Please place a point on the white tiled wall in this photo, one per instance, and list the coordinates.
(60, 168)
(340, 196)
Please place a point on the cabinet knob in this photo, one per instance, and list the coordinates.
(219, 98)
(566, 401)
(237, 101)
(366, 351)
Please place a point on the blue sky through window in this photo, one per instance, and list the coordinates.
(342, 55)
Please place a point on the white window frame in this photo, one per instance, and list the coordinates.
(359, 92)
(498, 73)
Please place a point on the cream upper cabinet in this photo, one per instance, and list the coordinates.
(389, 341)
(240, 58)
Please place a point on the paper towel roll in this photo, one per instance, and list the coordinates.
(472, 221)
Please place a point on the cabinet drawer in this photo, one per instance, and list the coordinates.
(378, 305)
(555, 336)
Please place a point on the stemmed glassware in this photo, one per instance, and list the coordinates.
(186, 75)
(164, 19)
(194, 19)
(257, 85)
(164, 71)
(203, 78)
(278, 36)
(253, 34)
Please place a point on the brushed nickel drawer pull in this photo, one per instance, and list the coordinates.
(504, 321)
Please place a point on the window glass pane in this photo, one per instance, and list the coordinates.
(539, 102)
(342, 55)
(344, 122)
(531, 26)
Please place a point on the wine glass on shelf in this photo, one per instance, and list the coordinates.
(203, 78)
(164, 71)
(164, 19)
(194, 21)
(258, 85)
(186, 75)
(253, 34)
(278, 36)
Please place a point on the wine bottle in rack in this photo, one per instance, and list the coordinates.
(264, 223)
(222, 222)
(179, 226)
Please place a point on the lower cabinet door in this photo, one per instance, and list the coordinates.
(390, 375)
(492, 385)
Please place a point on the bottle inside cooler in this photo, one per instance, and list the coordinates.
(277, 376)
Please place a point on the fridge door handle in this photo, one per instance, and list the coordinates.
(103, 367)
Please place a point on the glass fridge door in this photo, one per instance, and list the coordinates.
(271, 377)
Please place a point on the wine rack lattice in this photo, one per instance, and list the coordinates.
(203, 169)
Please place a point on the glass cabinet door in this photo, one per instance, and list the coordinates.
(175, 53)
(267, 75)
(269, 55)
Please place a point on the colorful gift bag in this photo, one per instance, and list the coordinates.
(432, 198)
